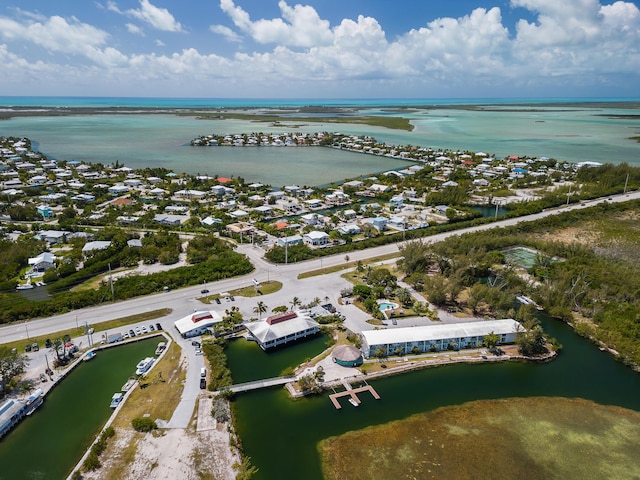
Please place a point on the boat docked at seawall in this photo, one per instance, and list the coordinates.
(34, 401)
(116, 399)
(143, 366)
(90, 355)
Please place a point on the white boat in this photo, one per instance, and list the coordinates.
(524, 300)
(89, 356)
(25, 286)
(116, 399)
(353, 402)
(34, 401)
(143, 366)
(161, 347)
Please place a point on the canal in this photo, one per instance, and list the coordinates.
(48, 444)
(281, 435)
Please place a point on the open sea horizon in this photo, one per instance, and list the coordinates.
(178, 102)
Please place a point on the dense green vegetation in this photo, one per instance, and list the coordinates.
(598, 283)
(220, 375)
(212, 259)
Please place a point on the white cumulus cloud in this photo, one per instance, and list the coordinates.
(158, 18)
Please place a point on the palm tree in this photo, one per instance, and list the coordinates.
(259, 309)
(295, 302)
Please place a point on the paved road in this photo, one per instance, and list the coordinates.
(184, 301)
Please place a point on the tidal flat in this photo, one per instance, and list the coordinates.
(524, 438)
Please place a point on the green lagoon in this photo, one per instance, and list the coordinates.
(281, 435)
(47, 444)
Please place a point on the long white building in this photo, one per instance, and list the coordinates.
(438, 337)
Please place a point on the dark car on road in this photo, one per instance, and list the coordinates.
(204, 290)
(203, 383)
(158, 326)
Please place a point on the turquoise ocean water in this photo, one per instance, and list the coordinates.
(588, 131)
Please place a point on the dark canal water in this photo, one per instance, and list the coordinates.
(48, 444)
(281, 435)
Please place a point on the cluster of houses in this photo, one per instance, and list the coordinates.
(388, 202)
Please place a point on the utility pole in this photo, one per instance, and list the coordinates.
(286, 250)
(626, 182)
(569, 195)
(113, 296)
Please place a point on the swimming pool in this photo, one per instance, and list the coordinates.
(387, 306)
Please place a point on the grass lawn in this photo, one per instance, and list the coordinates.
(158, 394)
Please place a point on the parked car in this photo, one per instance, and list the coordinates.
(218, 301)
(204, 290)
(195, 343)
(27, 348)
(132, 333)
(232, 298)
(203, 383)
(125, 335)
(48, 343)
(158, 326)
(43, 378)
(151, 327)
(138, 331)
(35, 347)
(144, 329)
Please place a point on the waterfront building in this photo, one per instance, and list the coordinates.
(282, 328)
(316, 238)
(438, 337)
(347, 356)
(197, 323)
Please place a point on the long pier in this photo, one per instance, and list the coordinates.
(353, 393)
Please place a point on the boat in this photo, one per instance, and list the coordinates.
(130, 383)
(161, 347)
(116, 399)
(143, 366)
(24, 286)
(353, 402)
(91, 354)
(524, 300)
(34, 401)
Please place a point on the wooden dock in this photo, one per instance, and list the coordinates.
(353, 393)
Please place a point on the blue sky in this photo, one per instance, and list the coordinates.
(321, 48)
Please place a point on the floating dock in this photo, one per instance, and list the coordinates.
(353, 393)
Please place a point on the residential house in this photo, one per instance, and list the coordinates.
(316, 238)
(42, 262)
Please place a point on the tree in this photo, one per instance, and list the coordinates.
(491, 340)
(259, 309)
(12, 364)
(380, 353)
(404, 297)
(295, 302)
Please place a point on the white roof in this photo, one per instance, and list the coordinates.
(316, 235)
(200, 319)
(47, 257)
(97, 245)
(439, 332)
(266, 332)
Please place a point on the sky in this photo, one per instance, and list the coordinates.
(320, 48)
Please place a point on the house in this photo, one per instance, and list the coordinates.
(45, 211)
(168, 219)
(238, 214)
(282, 328)
(379, 222)
(96, 245)
(316, 238)
(438, 337)
(190, 194)
(117, 190)
(51, 236)
(379, 188)
(396, 201)
(42, 262)
(135, 243)
(349, 214)
(210, 221)
(290, 240)
(218, 190)
(312, 219)
(398, 222)
(349, 229)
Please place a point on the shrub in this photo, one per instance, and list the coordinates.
(143, 424)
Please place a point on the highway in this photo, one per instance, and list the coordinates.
(185, 300)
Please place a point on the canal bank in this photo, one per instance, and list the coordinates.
(580, 370)
(47, 444)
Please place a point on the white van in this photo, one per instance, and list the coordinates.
(203, 372)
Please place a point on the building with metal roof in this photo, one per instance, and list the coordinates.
(282, 328)
(197, 323)
(438, 337)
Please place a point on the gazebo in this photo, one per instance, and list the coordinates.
(347, 356)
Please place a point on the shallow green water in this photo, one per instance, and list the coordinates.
(247, 361)
(281, 435)
(48, 444)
